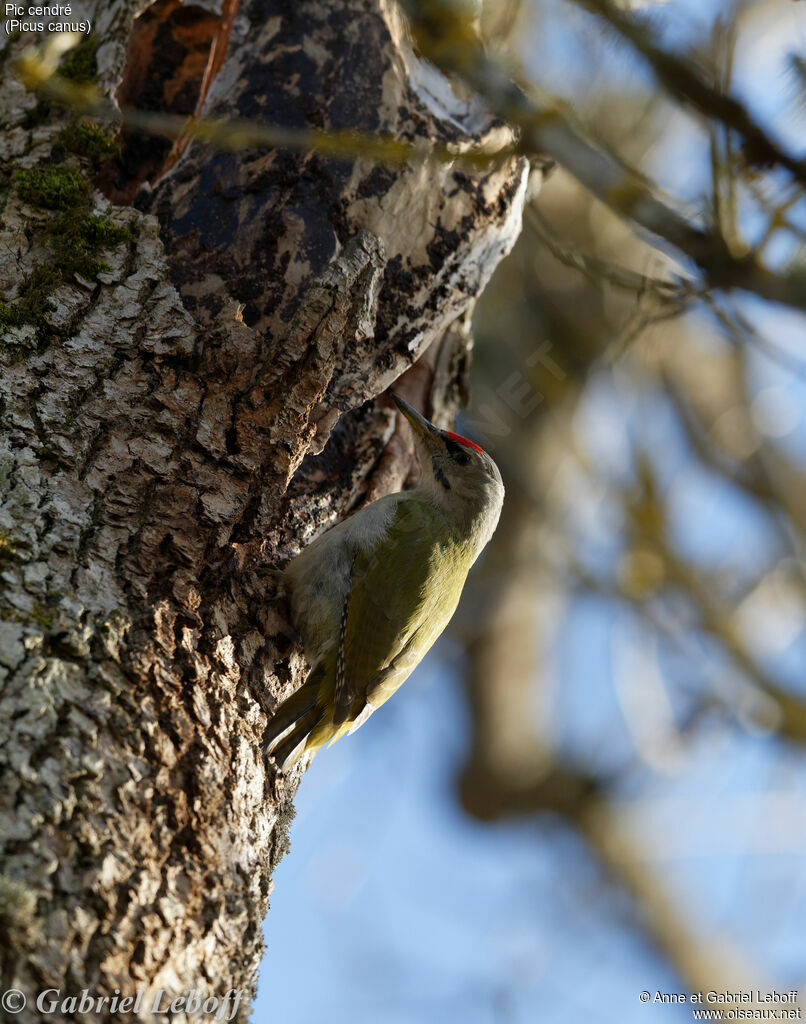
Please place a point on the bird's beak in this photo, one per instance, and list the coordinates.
(420, 425)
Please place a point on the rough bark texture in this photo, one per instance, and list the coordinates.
(203, 405)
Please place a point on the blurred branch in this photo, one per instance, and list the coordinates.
(741, 332)
(450, 41)
(38, 74)
(649, 545)
(656, 299)
(701, 963)
(750, 475)
(503, 780)
(683, 80)
(648, 527)
(511, 770)
(777, 214)
(704, 963)
(642, 317)
(789, 718)
(597, 270)
(723, 177)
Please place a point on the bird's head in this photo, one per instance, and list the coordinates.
(456, 472)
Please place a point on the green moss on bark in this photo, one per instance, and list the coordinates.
(32, 302)
(57, 187)
(81, 64)
(75, 239)
(86, 139)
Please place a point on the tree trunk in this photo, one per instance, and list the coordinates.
(191, 388)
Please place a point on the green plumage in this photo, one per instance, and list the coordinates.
(402, 596)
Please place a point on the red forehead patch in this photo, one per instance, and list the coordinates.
(463, 440)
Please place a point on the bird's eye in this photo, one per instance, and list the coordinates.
(461, 458)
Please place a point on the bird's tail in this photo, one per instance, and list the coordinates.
(284, 750)
(303, 711)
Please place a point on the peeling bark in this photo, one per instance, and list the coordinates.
(203, 406)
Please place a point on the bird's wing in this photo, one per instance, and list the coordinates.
(402, 595)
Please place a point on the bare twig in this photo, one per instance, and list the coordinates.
(89, 101)
(445, 38)
(685, 82)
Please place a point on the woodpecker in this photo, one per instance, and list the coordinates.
(371, 595)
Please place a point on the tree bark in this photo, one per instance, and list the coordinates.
(201, 401)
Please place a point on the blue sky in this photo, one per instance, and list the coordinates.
(394, 906)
